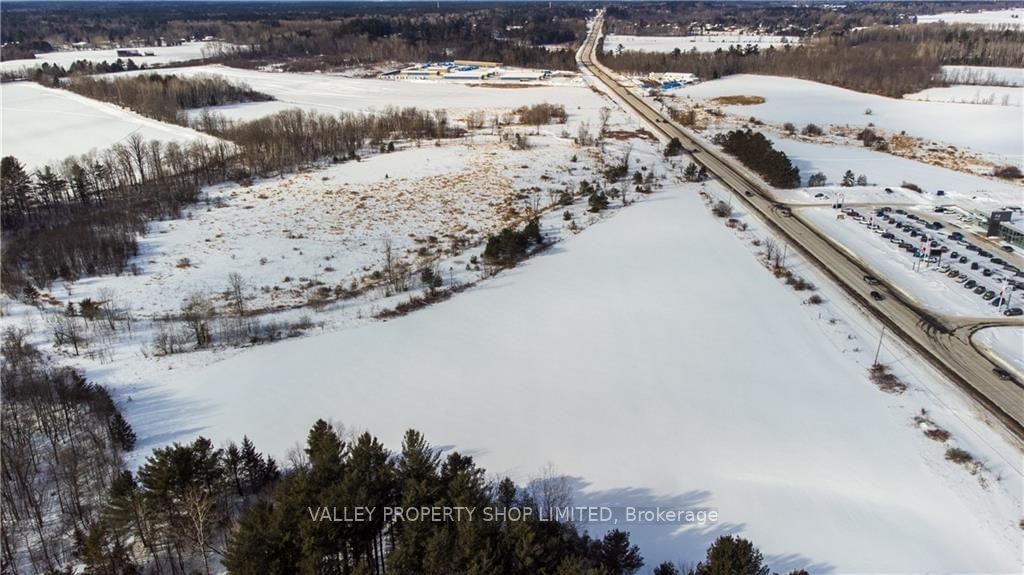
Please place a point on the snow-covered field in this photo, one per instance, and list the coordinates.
(1010, 18)
(627, 357)
(161, 55)
(43, 125)
(983, 75)
(704, 43)
(888, 171)
(987, 130)
(330, 93)
(330, 225)
(967, 94)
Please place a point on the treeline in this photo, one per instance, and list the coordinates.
(165, 97)
(84, 217)
(49, 74)
(192, 507)
(757, 153)
(675, 18)
(321, 35)
(62, 443)
(879, 60)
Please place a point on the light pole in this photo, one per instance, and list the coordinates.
(879, 349)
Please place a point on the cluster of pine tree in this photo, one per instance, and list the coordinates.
(757, 153)
(510, 245)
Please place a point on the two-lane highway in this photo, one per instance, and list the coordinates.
(948, 349)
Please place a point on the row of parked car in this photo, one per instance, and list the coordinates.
(987, 275)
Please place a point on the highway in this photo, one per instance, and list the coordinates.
(944, 342)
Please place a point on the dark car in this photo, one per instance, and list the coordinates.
(956, 236)
(988, 295)
(998, 261)
(984, 253)
(986, 272)
(1013, 311)
(970, 284)
(972, 247)
(954, 254)
(887, 236)
(940, 210)
(979, 290)
(901, 212)
(877, 296)
(1003, 374)
(1006, 249)
(750, 194)
(963, 260)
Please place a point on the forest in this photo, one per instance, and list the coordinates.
(312, 35)
(881, 60)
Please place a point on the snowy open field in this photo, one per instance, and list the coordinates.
(330, 225)
(888, 171)
(987, 130)
(43, 125)
(616, 361)
(1010, 18)
(161, 55)
(967, 94)
(704, 43)
(983, 75)
(331, 94)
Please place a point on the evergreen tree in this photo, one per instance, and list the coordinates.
(730, 555)
(849, 179)
(121, 433)
(617, 556)
(666, 568)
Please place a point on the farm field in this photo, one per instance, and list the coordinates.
(43, 125)
(161, 55)
(982, 128)
(331, 94)
(1009, 18)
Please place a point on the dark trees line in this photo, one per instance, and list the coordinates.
(84, 217)
(757, 153)
(165, 97)
(318, 34)
(880, 60)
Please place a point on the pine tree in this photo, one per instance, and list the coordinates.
(666, 568)
(730, 555)
(617, 556)
(849, 179)
(121, 433)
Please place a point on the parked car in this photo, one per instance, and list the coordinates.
(900, 211)
(954, 254)
(888, 236)
(980, 290)
(877, 296)
(998, 261)
(953, 273)
(963, 260)
(1013, 311)
(969, 284)
(986, 272)
(956, 236)
(988, 295)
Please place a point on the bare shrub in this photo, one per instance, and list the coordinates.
(886, 380)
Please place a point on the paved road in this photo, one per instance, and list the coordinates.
(945, 344)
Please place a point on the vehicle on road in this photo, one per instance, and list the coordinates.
(877, 296)
(1007, 249)
(871, 280)
(1003, 374)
